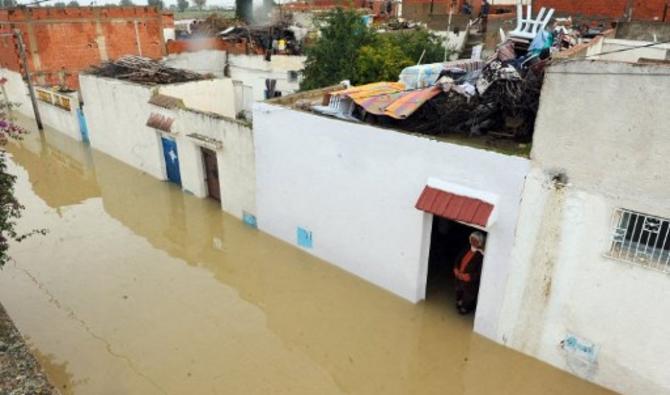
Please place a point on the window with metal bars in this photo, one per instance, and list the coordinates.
(642, 239)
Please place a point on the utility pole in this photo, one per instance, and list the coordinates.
(26, 77)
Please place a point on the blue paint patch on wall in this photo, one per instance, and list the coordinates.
(305, 238)
(583, 348)
(249, 219)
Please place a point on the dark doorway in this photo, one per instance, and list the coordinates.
(211, 173)
(449, 241)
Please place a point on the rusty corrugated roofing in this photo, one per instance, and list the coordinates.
(161, 122)
(166, 101)
(359, 93)
(411, 101)
(455, 207)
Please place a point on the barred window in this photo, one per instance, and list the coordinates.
(642, 239)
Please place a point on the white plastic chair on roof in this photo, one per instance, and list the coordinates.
(527, 27)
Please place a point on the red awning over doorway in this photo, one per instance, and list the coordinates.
(455, 207)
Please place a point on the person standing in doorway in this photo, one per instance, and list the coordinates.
(467, 271)
(484, 16)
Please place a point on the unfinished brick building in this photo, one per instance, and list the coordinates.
(63, 41)
(640, 10)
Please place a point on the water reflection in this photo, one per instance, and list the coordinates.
(145, 289)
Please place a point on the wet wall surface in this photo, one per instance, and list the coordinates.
(141, 289)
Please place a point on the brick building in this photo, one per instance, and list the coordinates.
(63, 41)
(641, 10)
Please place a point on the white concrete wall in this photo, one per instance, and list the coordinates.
(604, 126)
(253, 70)
(215, 95)
(55, 117)
(17, 91)
(169, 33)
(60, 119)
(630, 51)
(117, 112)
(237, 173)
(205, 61)
(355, 186)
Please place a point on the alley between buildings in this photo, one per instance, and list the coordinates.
(140, 288)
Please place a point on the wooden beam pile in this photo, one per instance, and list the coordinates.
(145, 71)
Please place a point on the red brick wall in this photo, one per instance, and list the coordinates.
(610, 9)
(614, 9)
(62, 42)
(179, 46)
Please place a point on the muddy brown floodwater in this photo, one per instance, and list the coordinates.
(142, 289)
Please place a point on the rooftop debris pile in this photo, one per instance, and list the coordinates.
(278, 39)
(144, 71)
(498, 98)
(213, 24)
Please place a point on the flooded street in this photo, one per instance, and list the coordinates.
(140, 288)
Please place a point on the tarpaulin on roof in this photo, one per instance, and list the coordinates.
(359, 93)
(411, 101)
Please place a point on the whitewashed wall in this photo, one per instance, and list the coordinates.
(214, 95)
(117, 112)
(237, 174)
(629, 50)
(55, 117)
(355, 186)
(204, 62)
(253, 70)
(17, 91)
(604, 126)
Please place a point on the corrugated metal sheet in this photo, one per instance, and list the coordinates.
(161, 122)
(411, 101)
(359, 93)
(165, 101)
(378, 104)
(455, 207)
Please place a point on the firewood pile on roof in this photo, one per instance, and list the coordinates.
(144, 71)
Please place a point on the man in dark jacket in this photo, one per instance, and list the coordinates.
(467, 271)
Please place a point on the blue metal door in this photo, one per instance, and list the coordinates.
(171, 160)
(83, 128)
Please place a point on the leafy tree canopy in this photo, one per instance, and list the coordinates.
(348, 50)
(73, 3)
(126, 3)
(182, 5)
(200, 3)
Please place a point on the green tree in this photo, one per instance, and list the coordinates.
(349, 50)
(414, 42)
(156, 3)
(8, 3)
(126, 3)
(59, 4)
(182, 5)
(333, 57)
(73, 3)
(381, 61)
(200, 3)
